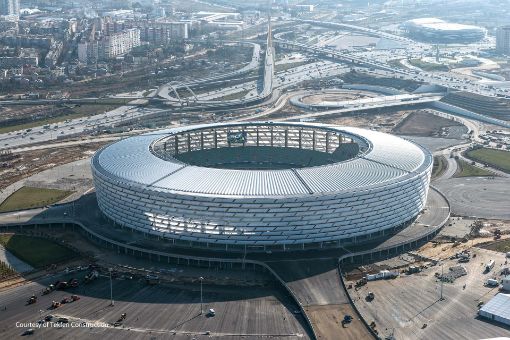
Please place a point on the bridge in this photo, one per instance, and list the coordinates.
(164, 91)
(364, 103)
(358, 105)
(380, 34)
(337, 55)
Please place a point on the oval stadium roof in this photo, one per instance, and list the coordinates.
(389, 160)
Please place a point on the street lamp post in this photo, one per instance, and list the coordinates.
(201, 300)
(442, 297)
(111, 287)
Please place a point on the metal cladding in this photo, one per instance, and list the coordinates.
(141, 183)
(437, 30)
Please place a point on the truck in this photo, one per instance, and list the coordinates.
(489, 266)
(492, 283)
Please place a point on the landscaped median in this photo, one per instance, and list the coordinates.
(468, 170)
(30, 197)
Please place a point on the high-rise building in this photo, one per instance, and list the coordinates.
(9, 7)
(108, 46)
(120, 43)
(503, 39)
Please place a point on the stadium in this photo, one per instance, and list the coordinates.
(262, 186)
(439, 31)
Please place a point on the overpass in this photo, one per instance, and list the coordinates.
(337, 55)
(269, 65)
(370, 103)
(361, 105)
(164, 90)
(380, 34)
(266, 89)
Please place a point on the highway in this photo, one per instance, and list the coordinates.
(164, 90)
(378, 59)
(255, 94)
(368, 103)
(73, 127)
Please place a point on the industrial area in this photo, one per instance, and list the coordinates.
(263, 170)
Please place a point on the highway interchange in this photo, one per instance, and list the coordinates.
(277, 90)
(372, 62)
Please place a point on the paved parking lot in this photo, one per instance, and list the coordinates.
(405, 304)
(477, 196)
(170, 312)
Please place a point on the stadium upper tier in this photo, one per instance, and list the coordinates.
(262, 185)
(440, 31)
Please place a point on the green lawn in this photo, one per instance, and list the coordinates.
(74, 112)
(37, 252)
(501, 246)
(288, 66)
(498, 158)
(439, 167)
(468, 170)
(28, 198)
(5, 270)
(233, 96)
(430, 67)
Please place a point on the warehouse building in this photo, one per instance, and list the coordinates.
(497, 309)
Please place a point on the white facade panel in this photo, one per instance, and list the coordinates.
(377, 190)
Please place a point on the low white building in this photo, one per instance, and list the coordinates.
(497, 309)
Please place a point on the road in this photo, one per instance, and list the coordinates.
(73, 127)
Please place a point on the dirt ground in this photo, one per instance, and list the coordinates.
(383, 121)
(25, 164)
(423, 123)
(327, 321)
(446, 250)
(341, 96)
